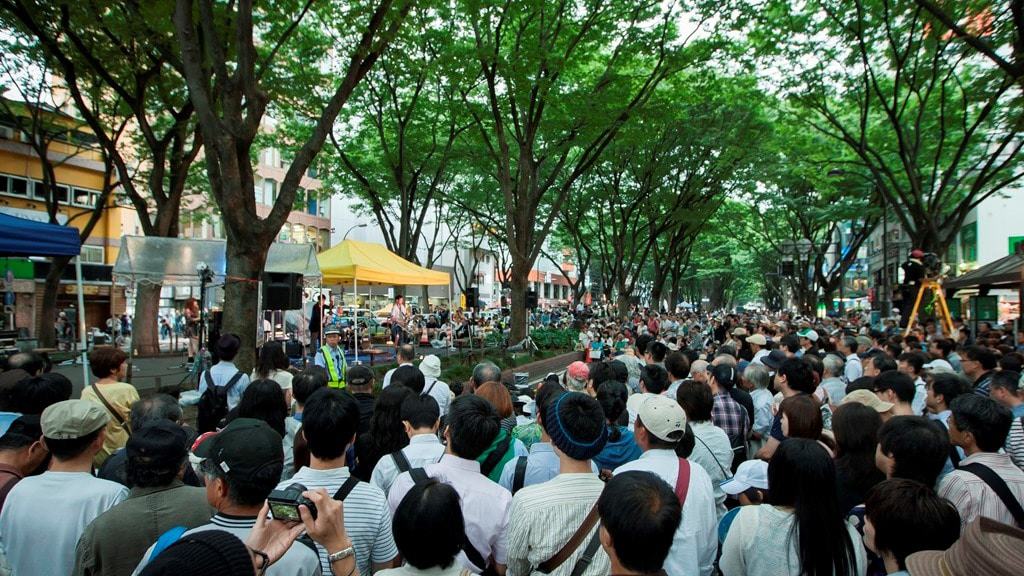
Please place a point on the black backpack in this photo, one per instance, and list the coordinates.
(213, 404)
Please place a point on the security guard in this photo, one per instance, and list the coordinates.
(332, 357)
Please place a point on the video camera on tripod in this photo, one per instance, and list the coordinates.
(933, 265)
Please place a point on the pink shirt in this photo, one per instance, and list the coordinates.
(485, 505)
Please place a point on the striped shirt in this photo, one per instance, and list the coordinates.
(298, 560)
(543, 517)
(367, 517)
(973, 498)
(1015, 441)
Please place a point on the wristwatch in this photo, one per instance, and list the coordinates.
(341, 554)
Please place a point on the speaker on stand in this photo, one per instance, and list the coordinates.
(531, 299)
(282, 291)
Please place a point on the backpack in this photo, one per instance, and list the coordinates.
(213, 404)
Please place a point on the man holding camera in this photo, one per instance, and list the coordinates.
(242, 463)
(329, 421)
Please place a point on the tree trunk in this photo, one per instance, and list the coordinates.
(145, 329)
(520, 277)
(245, 261)
(48, 311)
(425, 300)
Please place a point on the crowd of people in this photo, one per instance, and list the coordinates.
(740, 444)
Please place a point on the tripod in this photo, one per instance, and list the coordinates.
(935, 285)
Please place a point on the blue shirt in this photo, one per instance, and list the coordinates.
(1018, 410)
(619, 452)
(337, 353)
(221, 373)
(541, 465)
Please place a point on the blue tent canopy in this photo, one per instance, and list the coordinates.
(22, 237)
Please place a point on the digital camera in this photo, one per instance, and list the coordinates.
(284, 504)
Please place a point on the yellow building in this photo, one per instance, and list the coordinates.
(79, 171)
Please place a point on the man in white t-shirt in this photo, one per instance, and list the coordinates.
(421, 417)
(45, 515)
(660, 425)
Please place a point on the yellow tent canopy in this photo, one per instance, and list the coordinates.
(366, 263)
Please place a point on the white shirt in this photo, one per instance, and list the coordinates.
(44, 516)
(713, 452)
(367, 517)
(389, 373)
(423, 449)
(542, 519)
(485, 505)
(762, 542)
(439, 391)
(759, 355)
(920, 396)
(696, 540)
(854, 368)
(972, 496)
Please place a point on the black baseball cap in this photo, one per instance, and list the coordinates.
(25, 428)
(774, 359)
(158, 441)
(359, 375)
(243, 447)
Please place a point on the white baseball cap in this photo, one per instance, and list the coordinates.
(939, 365)
(660, 415)
(749, 474)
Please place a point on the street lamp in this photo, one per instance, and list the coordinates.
(362, 225)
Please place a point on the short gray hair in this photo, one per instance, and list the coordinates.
(833, 364)
(757, 374)
(486, 372)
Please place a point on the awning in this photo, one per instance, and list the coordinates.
(1007, 272)
(173, 261)
(22, 237)
(366, 263)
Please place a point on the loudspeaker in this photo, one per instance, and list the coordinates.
(282, 291)
(531, 299)
(472, 297)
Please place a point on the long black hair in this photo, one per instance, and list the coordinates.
(272, 357)
(264, 400)
(612, 397)
(802, 475)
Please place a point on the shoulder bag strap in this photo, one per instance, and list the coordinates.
(720, 467)
(487, 466)
(519, 478)
(346, 488)
(588, 554)
(117, 415)
(401, 462)
(231, 383)
(574, 542)
(683, 480)
(427, 391)
(999, 487)
(209, 380)
(473, 554)
(419, 475)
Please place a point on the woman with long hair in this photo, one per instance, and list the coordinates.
(386, 433)
(499, 397)
(855, 427)
(799, 529)
(801, 418)
(621, 446)
(273, 365)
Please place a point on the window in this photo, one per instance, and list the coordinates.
(969, 242)
(1014, 242)
(92, 255)
(269, 192)
(19, 187)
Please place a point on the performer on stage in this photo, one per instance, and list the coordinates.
(316, 318)
(192, 326)
(332, 357)
(399, 320)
